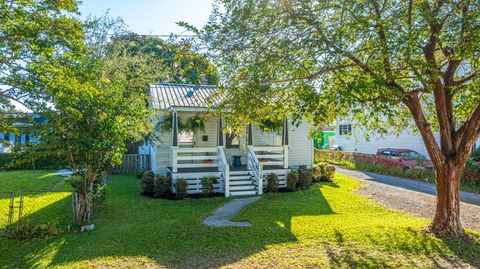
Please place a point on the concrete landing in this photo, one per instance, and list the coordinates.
(222, 215)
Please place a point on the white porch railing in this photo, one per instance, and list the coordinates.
(254, 165)
(274, 155)
(224, 170)
(194, 158)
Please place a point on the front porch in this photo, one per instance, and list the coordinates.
(246, 179)
(240, 171)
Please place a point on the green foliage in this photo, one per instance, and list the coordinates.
(29, 230)
(272, 126)
(304, 179)
(35, 37)
(174, 63)
(328, 172)
(292, 180)
(32, 156)
(208, 185)
(317, 172)
(196, 123)
(161, 186)
(147, 185)
(181, 188)
(471, 173)
(272, 183)
(475, 156)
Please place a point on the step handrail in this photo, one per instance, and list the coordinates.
(224, 170)
(254, 165)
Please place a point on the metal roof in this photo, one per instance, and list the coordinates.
(166, 96)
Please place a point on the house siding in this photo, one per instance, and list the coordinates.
(407, 139)
(300, 150)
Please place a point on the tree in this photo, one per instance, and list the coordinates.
(33, 35)
(99, 103)
(177, 63)
(387, 63)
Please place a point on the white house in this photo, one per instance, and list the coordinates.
(352, 138)
(240, 162)
(25, 133)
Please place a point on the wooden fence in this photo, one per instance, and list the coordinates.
(133, 163)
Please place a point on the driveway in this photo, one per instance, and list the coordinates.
(412, 196)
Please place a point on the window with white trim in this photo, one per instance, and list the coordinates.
(344, 129)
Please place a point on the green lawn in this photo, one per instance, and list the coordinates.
(27, 180)
(327, 226)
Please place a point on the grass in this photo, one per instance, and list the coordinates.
(37, 206)
(27, 180)
(329, 225)
(419, 175)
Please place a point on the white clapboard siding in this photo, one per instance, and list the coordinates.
(300, 150)
(357, 142)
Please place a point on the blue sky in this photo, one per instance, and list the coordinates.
(152, 16)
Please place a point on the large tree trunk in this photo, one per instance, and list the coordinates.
(446, 222)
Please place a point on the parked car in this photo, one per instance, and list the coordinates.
(405, 158)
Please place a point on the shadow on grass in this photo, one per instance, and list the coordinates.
(167, 233)
(141, 232)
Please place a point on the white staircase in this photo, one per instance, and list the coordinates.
(241, 183)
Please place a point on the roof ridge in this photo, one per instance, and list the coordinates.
(184, 84)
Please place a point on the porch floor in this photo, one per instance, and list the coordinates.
(215, 169)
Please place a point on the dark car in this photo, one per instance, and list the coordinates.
(405, 158)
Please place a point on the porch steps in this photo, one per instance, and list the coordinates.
(241, 184)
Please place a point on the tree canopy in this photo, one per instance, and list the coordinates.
(388, 64)
(176, 62)
(34, 34)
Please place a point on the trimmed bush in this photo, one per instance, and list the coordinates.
(147, 183)
(317, 172)
(181, 188)
(208, 185)
(328, 173)
(161, 186)
(304, 179)
(272, 183)
(292, 181)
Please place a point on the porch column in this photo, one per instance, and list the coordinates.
(285, 142)
(174, 141)
(220, 132)
(249, 135)
(174, 129)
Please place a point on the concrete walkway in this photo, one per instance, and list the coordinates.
(222, 215)
(405, 183)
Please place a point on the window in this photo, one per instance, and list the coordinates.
(345, 129)
(6, 137)
(232, 141)
(27, 138)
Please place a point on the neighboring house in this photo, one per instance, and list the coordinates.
(241, 163)
(352, 138)
(25, 133)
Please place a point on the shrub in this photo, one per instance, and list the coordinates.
(304, 179)
(28, 230)
(328, 173)
(147, 183)
(208, 185)
(272, 183)
(161, 186)
(292, 180)
(181, 188)
(317, 172)
(471, 172)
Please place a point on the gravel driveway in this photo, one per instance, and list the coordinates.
(413, 196)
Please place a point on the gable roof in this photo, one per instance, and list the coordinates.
(167, 96)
